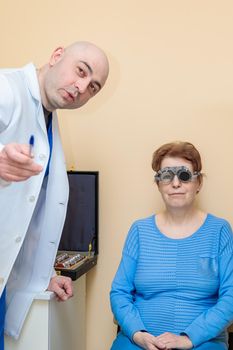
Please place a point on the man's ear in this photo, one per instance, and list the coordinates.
(56, 55)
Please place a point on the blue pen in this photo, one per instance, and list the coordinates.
(31, 144)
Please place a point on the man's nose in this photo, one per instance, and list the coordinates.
(82, 84)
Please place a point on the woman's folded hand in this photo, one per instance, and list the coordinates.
(148, 342)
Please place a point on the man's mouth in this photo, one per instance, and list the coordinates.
(70, 95)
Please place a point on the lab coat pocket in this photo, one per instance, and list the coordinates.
(208, 265)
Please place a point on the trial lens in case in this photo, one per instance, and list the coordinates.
(78, 248)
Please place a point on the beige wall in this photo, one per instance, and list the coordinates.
(171, 78)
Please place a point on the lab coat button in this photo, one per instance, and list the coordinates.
(32, 198)
(18, 239)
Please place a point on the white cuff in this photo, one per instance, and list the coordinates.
(3, 183)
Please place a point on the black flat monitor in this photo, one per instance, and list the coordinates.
(80, 232)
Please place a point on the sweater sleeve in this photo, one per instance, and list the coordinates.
(123, 288)
(213, 321)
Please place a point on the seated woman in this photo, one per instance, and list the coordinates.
(174, 285)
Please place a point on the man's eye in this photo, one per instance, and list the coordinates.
(93, 88)
(81, 72)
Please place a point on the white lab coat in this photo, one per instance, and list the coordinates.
(32, 211)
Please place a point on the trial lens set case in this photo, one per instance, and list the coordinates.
(78, 248)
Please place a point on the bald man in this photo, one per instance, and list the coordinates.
(33, 180)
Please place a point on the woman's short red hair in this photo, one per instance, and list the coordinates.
(185, 150)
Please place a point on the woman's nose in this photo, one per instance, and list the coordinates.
(176, 182)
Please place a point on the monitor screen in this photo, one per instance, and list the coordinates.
(81, 223)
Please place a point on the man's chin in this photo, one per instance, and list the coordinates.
(64, 104)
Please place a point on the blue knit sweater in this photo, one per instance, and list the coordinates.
(176, 285)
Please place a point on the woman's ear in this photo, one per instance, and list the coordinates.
(157, 183)
(56, 55)
(200, 185)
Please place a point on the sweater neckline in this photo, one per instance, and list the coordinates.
(194, 234)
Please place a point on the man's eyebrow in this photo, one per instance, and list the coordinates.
(88, 66)
(91, 71)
